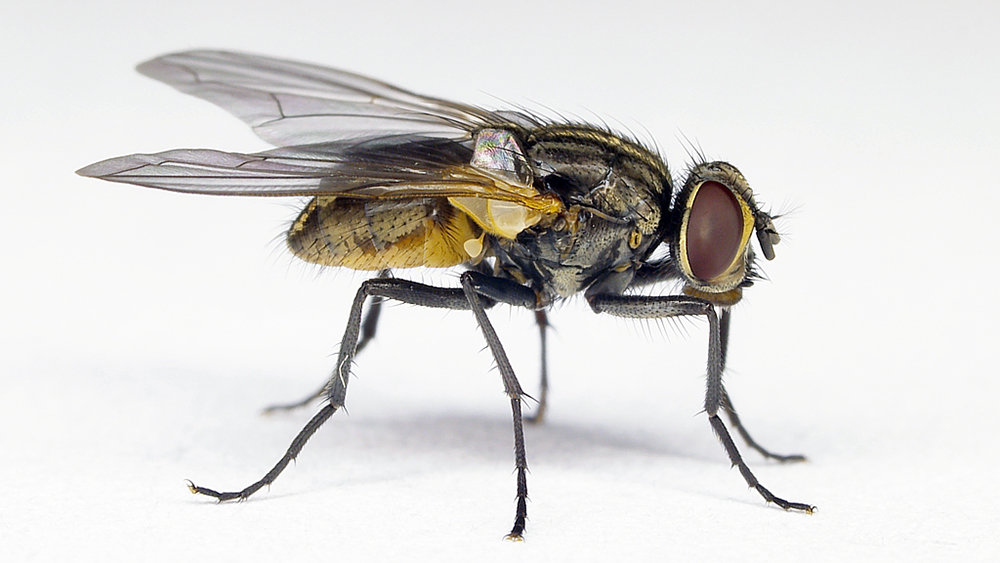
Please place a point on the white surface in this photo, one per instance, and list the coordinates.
(142, 331)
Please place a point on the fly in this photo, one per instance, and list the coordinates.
(530, 210)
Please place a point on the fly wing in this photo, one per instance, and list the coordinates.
(293, 103)
(205, 171)
(383, 168)
(386, 169)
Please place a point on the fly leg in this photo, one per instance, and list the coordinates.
(368, 326)
(336, 391)
(478, 292)
(542, 320)
(727, 403)
(734, 419)
(715, 394)
(474, 285)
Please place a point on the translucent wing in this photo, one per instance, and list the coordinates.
(356, 142)
(385, 168)
(293, 103)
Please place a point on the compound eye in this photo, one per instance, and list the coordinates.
(714, 231)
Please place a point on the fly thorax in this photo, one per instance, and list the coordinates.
(611, 176)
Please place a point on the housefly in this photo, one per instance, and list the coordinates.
(531, 211)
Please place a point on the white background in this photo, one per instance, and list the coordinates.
(142, 331)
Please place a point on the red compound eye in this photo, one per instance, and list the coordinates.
(714, 231)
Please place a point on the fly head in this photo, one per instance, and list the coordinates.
(714, 215)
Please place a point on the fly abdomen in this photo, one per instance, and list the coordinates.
(365, 234)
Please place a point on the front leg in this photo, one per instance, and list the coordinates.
(730, 410)
(652, 307)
